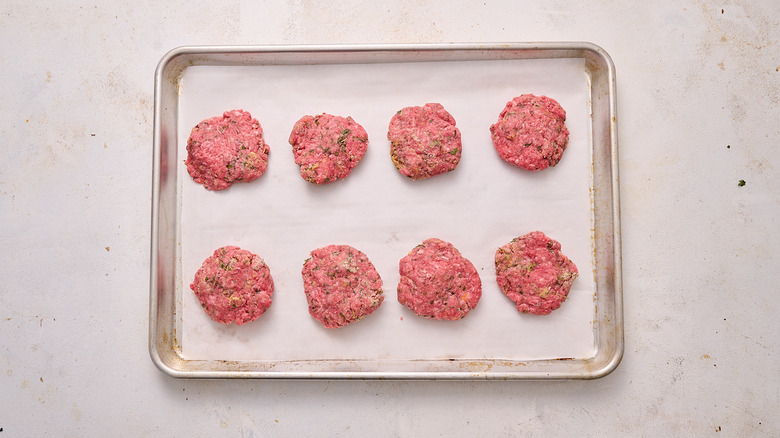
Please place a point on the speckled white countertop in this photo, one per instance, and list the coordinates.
(699, 111)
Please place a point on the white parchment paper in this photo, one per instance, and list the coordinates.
(480, 206)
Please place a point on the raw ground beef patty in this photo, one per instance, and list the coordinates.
(438, 282)
(233, 285)
(532, 272)
(225, 149)
(424, 141)
(531, 132)
(327, 147)
(341, 285)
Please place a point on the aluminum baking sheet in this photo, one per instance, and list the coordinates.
(478, 207)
